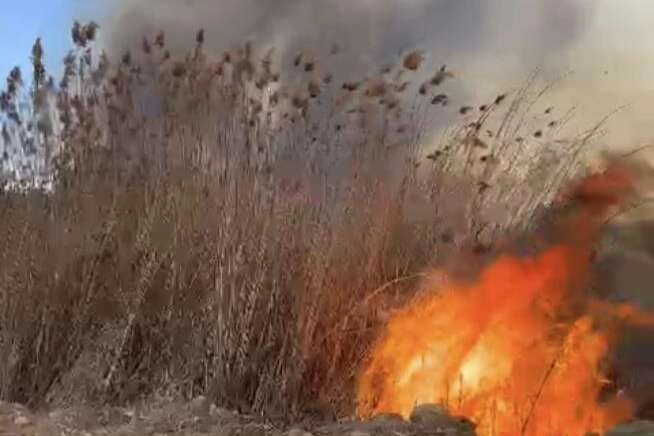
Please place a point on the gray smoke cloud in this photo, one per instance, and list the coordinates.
(370, 31)
(491, 44)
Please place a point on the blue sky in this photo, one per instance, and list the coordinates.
(24, 20)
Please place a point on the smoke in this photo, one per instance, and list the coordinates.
(370, 32)
(491, 44)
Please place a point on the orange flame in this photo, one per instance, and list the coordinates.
(520, 351)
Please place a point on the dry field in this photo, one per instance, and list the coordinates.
(177, 225)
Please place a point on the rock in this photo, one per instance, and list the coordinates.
(430, 415)
(431, 418)
(22, 421)
(387, 422)
(636, 428)
(427, 420)
(387, 417)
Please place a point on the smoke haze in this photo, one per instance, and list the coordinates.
(603, 47)
(492, 45)
(371, 31)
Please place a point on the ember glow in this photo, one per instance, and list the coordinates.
(521, 350)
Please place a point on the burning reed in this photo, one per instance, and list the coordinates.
(519, 350)
(194, 223)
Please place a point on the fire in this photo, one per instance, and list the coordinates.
(520, 350)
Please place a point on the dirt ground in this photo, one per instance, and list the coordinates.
(199, 417)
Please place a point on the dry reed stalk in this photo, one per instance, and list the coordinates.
(223, 222)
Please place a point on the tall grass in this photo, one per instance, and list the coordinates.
(229, 226)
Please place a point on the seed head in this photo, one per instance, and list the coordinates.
(439, 99)
(500, 98)
(297, 60)
(313, 88)
(465, 109)
(350, 86)
(441, 76)
(413, 60)
(160, 40)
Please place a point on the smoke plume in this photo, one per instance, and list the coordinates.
(369, 32)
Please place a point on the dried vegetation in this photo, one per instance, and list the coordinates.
(228, 226)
